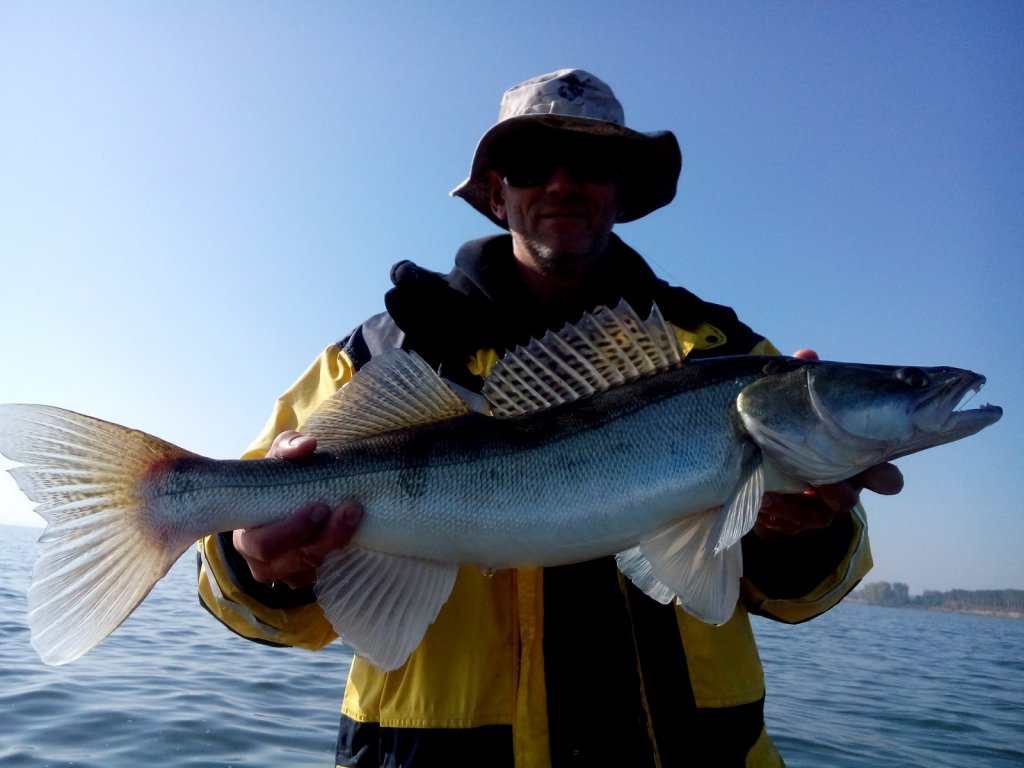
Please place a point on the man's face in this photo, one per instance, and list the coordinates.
(560, 203)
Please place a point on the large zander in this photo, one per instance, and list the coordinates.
(596, 440)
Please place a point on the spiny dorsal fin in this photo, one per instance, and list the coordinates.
(603, 350)
(394, 390)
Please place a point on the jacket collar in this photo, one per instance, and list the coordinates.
(487, 266)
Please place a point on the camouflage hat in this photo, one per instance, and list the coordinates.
(574, 101)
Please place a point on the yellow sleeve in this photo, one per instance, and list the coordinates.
(765, 347)
(853, 567)
(323, 378)
(301, 625)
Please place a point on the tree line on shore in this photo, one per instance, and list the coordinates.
(981, 600)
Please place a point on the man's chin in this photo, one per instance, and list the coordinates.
(565, 255)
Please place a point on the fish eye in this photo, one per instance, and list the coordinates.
(913, 377)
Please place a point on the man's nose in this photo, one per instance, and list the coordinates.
(562, 178)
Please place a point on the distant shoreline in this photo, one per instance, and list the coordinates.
(993, 613)
(1001, 603)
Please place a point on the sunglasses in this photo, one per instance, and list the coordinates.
(536, 167)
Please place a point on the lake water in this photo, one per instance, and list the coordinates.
(861, 687)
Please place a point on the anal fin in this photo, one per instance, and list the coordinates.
(380, 604)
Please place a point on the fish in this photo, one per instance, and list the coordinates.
(599, 439)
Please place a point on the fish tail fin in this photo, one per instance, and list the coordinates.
(102, 552)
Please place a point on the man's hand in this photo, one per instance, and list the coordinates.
(292, 549)
(787, 514)
(790, 513)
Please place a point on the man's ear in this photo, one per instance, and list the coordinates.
(496, 195)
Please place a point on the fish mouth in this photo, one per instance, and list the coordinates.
(824, 422)
(946, 410)
(913, 409)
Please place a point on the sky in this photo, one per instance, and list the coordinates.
(197, 197)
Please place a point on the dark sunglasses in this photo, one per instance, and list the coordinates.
(534, 168)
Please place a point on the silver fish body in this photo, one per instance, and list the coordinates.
(568, 484)
(598, 440)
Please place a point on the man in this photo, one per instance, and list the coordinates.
(559, 666)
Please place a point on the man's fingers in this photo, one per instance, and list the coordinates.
(270, 542)
(336, 533)
(884, 479)
(790, 513)
(838, 497)
(298, 567)
(292, 445)
(291, 550)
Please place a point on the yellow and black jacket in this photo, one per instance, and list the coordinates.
(566, 666)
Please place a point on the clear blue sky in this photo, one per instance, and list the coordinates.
(195, 198)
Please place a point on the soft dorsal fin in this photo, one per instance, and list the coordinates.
(604, 349)
(394, 390)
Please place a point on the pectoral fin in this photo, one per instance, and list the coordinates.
(381, 604)
(675, 562)
(740, 510)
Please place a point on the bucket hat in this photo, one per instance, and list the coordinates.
(575, 101)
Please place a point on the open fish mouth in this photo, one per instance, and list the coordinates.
(853, 416)
(947, 412)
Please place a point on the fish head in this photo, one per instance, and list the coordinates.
(823, 421)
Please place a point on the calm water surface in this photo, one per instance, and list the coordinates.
(861, 687)
(867, 686)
